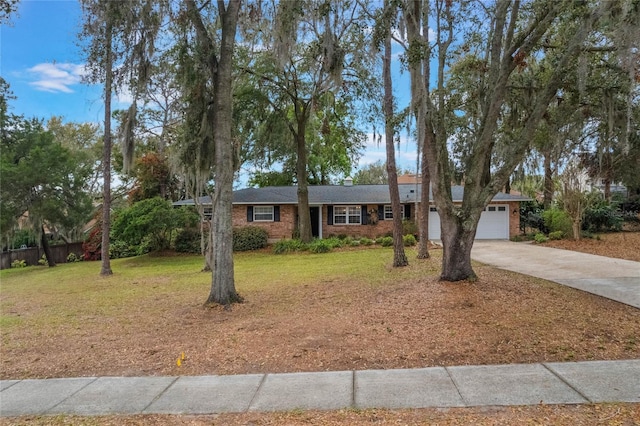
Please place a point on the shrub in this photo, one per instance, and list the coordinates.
(409, 240)
(540, 238)
(355, 243)
(409, 227)
(320, 246)
(602, 216)
(72, 257)
(556, 235)
(43, 261)
(153, 219)
(557, 220)
(288, 246)
(366, 241)
(19, 263)
(386, 241)
(188, 241)
(336, 242)
(531, 216)
(249, 238)
(119, 249)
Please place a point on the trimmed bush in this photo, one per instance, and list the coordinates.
(188, 241)
(249, 238)
(409, 240)
(386, 241)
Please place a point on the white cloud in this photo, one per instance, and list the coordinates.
(374, 151)
(56, 77)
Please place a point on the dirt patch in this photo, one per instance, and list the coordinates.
(332, 324)
(621, 245)
(593, 414)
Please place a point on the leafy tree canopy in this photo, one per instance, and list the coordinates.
(42, 180)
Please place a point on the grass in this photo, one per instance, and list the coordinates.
(143, 279)
(342, 310)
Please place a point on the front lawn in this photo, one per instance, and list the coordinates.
(304, 312)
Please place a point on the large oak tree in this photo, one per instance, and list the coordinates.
(481, 47)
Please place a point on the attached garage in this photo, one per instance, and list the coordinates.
(493, 225)
(358, 210)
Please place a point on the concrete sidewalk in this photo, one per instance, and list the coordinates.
(462, 386)
(616, 279)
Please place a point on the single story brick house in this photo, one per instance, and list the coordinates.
(357, 211)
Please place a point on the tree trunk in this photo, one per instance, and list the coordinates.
(223, 289)
(423, 241)
(577, 228)
(607, 189)
(106, 154)
(46, 248)
(420, 70)
(399, 256)
(457, 241)
(547, 192)
(304, 216)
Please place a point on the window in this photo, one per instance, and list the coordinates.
(388, 213)
(207, 213)
(502, 209)
(492, 208)
(347, 215)
(263, 213)
(433, 209)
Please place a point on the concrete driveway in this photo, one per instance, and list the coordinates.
(616, 279)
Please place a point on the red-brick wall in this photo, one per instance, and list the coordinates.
(276, 230)
(375, 228)
(514, 219)
(285, 228)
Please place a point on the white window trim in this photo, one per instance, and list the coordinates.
(348, 215)
(388, 213)
(256, 213)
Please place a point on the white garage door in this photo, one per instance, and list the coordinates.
(493, 225)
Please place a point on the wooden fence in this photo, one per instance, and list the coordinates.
(31, 255)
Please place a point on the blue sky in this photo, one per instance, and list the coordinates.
(41, 60)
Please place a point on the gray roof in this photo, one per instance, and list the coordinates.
(338, 194)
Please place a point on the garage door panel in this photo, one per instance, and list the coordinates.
(493, 224)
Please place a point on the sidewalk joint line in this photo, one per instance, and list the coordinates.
(70, 396)
(563, 380)
(264, 377)
(353, 388)
(455, 385)
(11, 385)
(175, 379)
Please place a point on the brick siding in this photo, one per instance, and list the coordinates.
(285, 228)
